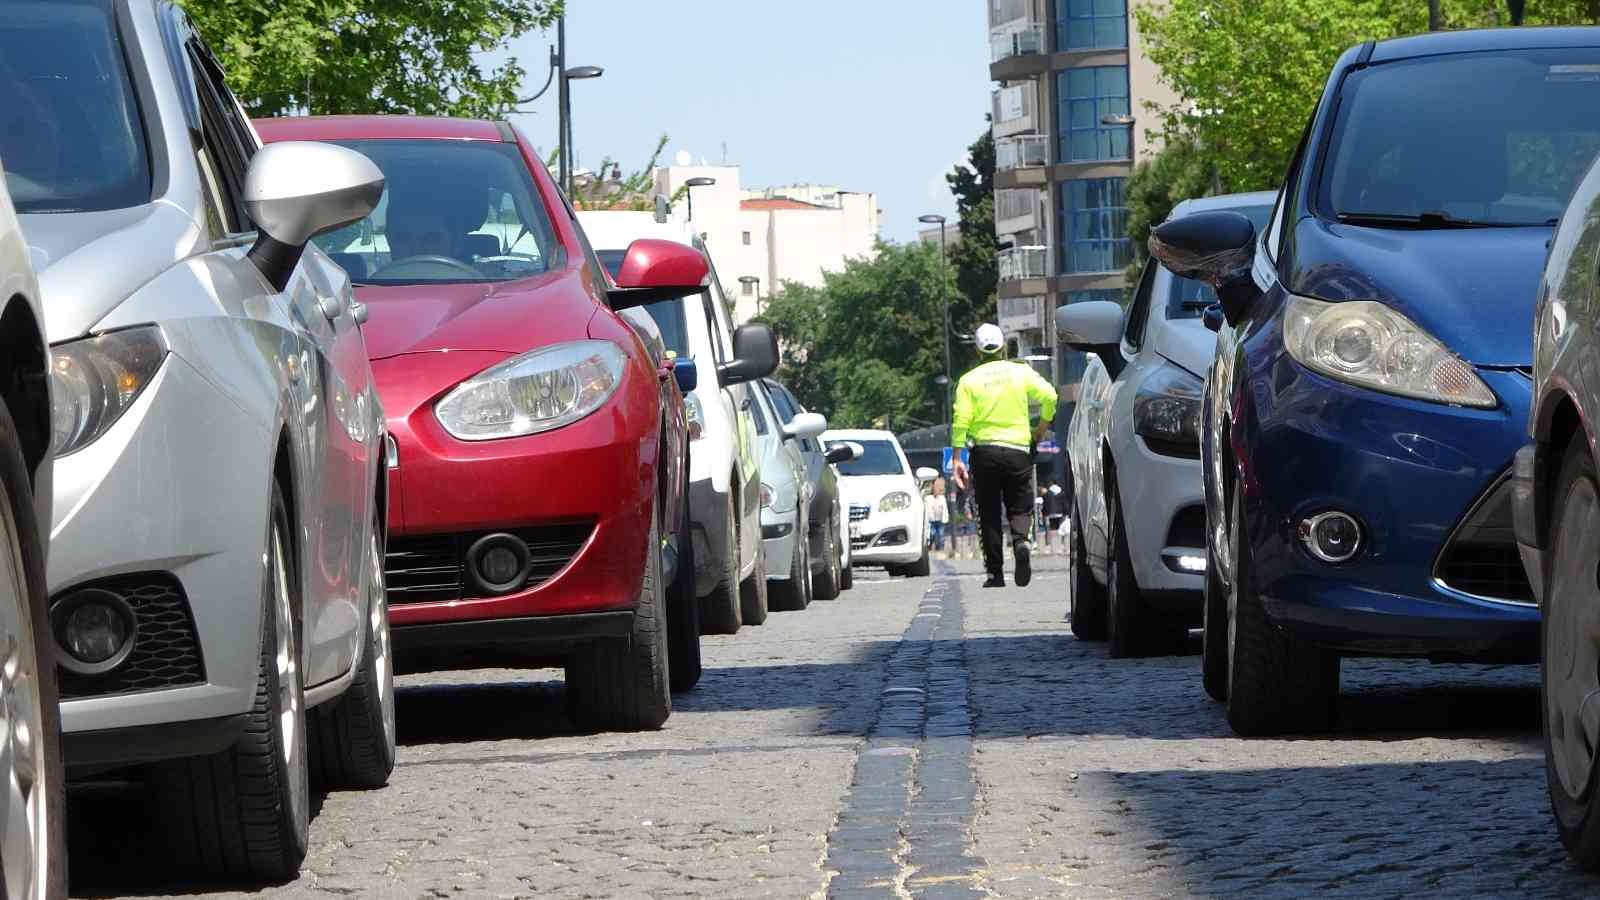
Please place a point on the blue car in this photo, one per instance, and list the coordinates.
(1372, 379)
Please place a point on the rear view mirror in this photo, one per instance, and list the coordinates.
(755, 354)
(806, 425)
(654, 270)
(1216, 248)
(297, 190)
(1089, 325)
(687, 375)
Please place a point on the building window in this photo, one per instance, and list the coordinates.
(1086, 97)
(1093, 224)
(746, 236)
(1091, 24)
(1115, 295)
(749, 286)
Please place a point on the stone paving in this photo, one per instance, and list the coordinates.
(922, 738)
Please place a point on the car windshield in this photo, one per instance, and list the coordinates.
(877, 458)
(452, 212)
(1187, 298)
(1463, 140)
(668, 314)
(70, 133)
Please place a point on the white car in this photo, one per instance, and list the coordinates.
(888, 520)
(1136, 538)
(724, 459)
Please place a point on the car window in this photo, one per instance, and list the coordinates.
(70, 130)
(1187, 298)
(1498, 137)
(780, 402)
(877, 458)
(451, 212)
(221, 155)
(1139, 311)
(718, 311)
(758, 411)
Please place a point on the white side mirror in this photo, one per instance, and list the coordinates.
(297, 190)
(926, 474)
(1085, 326)
(806, 425)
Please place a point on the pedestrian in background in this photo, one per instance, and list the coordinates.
(991, 410)
(938, 513)
(1055, 510)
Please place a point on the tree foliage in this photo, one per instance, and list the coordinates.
(973, 257)
(370, 56)
(1179, 172)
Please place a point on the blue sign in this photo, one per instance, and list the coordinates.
(948, 467)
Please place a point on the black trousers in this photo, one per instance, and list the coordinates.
(1002, 480)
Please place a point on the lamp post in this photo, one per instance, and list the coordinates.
(559, 72)
(936, 219)
(690, 185)
(754, 284)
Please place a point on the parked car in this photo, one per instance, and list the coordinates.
(1556, 515)
(826, 515)
(888, 520)
(539, 441)
(1136, 536)
(34, 860)
(786, 496)
(219, 490)
(724, 467)
(1372, 382)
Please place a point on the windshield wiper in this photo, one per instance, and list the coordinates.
(1431, 219)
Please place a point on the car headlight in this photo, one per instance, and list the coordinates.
(694, 417)
(894, 501)
(1365, 343)
(1166, 410)
(534, 392)
(94, 380)
(766, 496)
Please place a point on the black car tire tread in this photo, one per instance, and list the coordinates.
(826, 584)
(719, 609)
(921, 568)
(1086, 598)
(1214, 631)
(790, 595)
(847, 577)
(683, 615)
(753, 603)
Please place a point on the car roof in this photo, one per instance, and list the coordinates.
(1440, 42)
(334, 128)
(1224, 202)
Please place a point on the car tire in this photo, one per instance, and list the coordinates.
(1132, 628)
(31, 691)
(244, 813)
(719, 609)
(1568, 658)
(826, 585)
(1086, 598)
(683, 616)
(1277, 683)
(922, 568)
(622, 685)
(352, 739)
(847, 576)
(789, 595)
(753, 605)
(1214, 633)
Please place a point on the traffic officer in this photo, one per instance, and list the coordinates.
(991, 410)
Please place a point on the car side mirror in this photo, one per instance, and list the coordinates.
(1216, 248)
(926, 474)
(688, 377)
(1093, 326)
(806, 425)
(1211, 317)
(653, 270)
(297, 190)
(755, 354)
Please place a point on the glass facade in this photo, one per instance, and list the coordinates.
(1093, 226)
(1091, 24)
(1085, 97)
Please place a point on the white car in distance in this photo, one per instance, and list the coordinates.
(883, 496)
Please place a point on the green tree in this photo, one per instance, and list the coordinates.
(1179, 172)
(370, 56)
(973, 256)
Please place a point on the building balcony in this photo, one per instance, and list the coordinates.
(1019, 314)
(1022, 37)
(1025, 151)
(1023, 263)
(1015, 110)
(1016, 210)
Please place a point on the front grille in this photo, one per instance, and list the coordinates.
(1188, 527)
(166, 650)
(859, 543)
(429, 568)
(859, 512)
(1481, 557)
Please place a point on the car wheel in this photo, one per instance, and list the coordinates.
(1086, 599)
(1276, 683)
(753, 604)
(847, 574)
(622, 685)
(353, 737)
(1214, 639)
(1570, 659)
(1133, 629)
(245, 812)
(683, 615)
(921, 568)
(827, 586)
(719, 609)
(33, 854)
(790, 594)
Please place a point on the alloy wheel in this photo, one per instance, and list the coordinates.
(378, 622)
(24, 843)
(1572, 642)
(291, 698)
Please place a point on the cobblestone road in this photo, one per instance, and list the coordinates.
(859, 749)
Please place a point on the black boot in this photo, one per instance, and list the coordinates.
(1024, 565)
(995, 581)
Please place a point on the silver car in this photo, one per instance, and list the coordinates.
(216, 544)
(786, 495)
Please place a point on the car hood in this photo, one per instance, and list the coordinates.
(869, 489)
(505, 317)
(1472, 288)
(88, 263)
(1187, 343)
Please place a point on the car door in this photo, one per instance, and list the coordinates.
(330, 418)
(737, 400)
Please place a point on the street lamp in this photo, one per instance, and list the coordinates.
(936, 219)
(559, 70)
(754, 284)
(690, 185)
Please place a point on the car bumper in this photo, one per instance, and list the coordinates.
(1163, 509)
(1526, 515)
(778, 536)
(148, 503)
(874, 541)
(1424, 481)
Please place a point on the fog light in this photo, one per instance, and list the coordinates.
(498, 563)
(1188, 563)
(1332, 537)
(94, 631)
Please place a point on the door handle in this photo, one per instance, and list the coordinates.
(331, 306)
(358, 311)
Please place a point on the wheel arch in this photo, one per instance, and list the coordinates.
(20, 383)
(1558, 422)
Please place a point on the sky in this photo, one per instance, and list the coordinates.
(868, 95)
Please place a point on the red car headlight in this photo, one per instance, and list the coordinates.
(538, 391)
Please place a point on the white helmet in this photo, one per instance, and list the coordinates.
(989, 338)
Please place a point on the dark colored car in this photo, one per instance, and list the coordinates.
(1372, 375)
(826, 513)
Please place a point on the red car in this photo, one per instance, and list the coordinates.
(539, 445)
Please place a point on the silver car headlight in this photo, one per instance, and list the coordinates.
(1166, 410)
(1365, 343)
(894, 501)
(94, 380)
(694, 417)
(535, 392)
